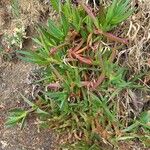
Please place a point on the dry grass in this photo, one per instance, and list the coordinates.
(139, 36)
(23, 16)
(31, 11)
(137, 55)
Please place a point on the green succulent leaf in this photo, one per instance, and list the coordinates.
(145, 119)
(40, 111)
(116, 13)
(65, 24)
(16, 116)
(56, 4)
(54, 30)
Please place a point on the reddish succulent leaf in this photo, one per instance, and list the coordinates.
(54, 86)
(115, 38)
(81, 50)
(148, 61)
(55, 49)
(102, 76)
(78, 46)
(95, 46)
(86, 83)
(112, 37)
(83, 59)
(98, 82)
(58, 86)
(87, 9)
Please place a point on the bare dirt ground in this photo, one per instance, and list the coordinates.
(14, 77)
(14, 73)
(13, 80)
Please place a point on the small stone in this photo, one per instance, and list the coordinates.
(4, 144)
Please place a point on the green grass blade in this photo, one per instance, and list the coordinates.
(56, 5)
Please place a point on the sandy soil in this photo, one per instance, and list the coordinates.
(14, 78)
